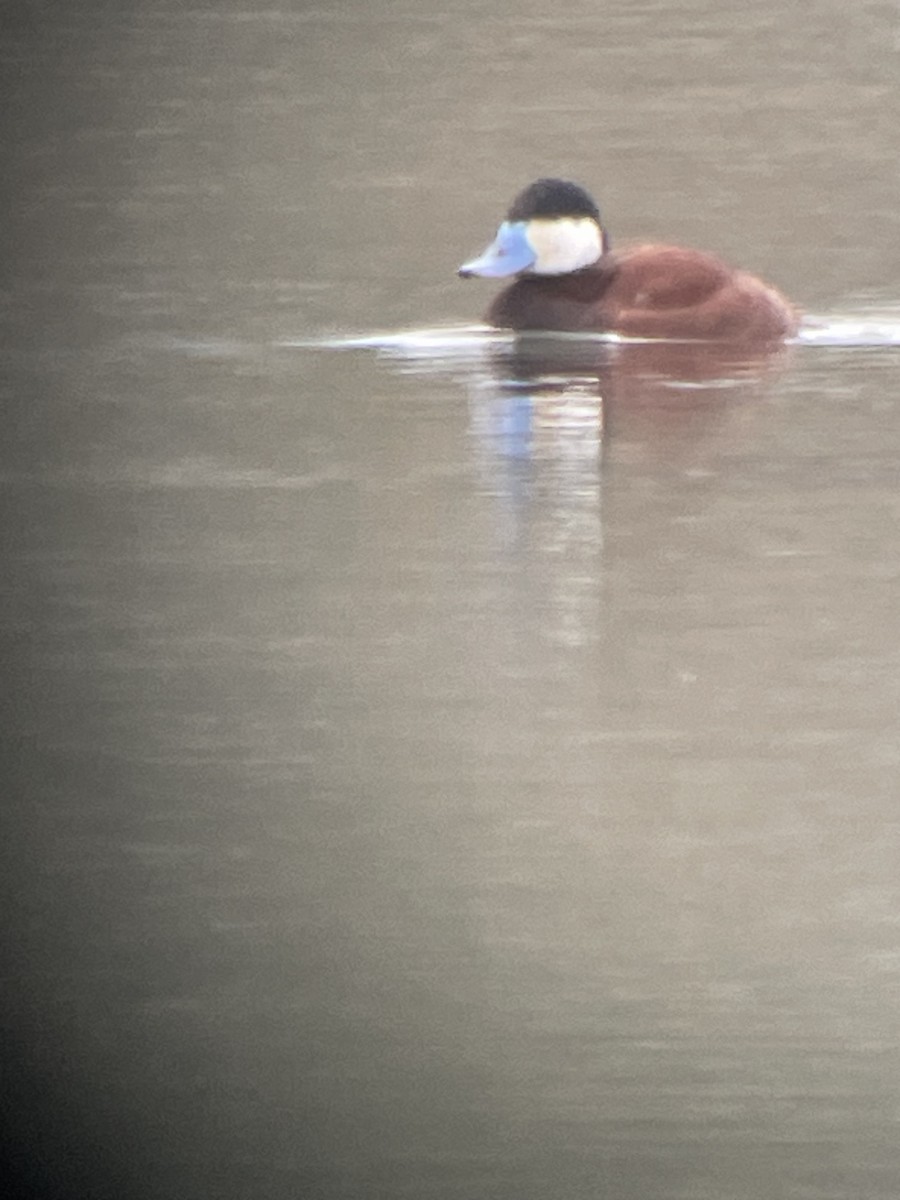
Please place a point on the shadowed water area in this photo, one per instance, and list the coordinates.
(435, 766)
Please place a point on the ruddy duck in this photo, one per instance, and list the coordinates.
(569, 280)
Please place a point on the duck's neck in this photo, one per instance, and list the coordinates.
(586, 284)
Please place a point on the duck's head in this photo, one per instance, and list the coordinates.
(552, 228)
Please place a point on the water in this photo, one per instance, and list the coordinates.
(438, 767)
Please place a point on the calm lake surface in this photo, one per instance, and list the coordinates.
(437, 768)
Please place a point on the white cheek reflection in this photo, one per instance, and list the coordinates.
(539, 452)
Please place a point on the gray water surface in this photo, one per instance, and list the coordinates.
(440, 768)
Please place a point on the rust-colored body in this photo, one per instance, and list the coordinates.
(652, 291)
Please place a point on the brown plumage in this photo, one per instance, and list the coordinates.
(650, 291)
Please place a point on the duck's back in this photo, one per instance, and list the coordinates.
(669, 291)
(649, 291)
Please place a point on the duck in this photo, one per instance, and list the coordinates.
(568, 279)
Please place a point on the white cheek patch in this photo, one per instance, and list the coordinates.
(564, 244)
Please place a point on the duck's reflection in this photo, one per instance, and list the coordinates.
(549, 397)
(556, 420)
